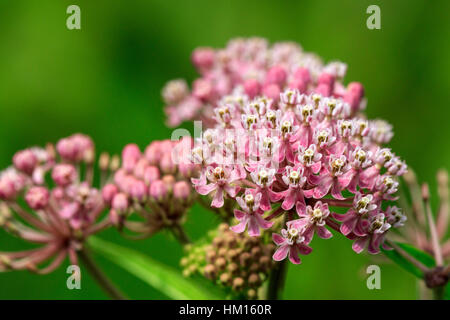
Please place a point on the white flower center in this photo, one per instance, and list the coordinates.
(219, 173)
(317, 214)
(293, 232)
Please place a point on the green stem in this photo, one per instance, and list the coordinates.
(438, 293)
(99, 276)
(180, 234)
(277, 280)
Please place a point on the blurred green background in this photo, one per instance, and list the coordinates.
(105, 80)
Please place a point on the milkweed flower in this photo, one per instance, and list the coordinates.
(286, 140)
(57, 213)
(154, 185)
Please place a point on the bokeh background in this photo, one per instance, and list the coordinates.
(105, 80)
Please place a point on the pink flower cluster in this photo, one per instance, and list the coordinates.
(154, 184)
(288, 138)
(61, 206)
(254, 68)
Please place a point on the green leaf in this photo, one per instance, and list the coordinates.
(161, 277)
(419, 255)
(447, 292)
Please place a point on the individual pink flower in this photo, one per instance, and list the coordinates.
(250, 215)
(333, 178)
(352, 221)
(310, 159)
(220, 179)
(264, 177)
(359, 160)
(314, 220)
(375, 229)
(294, 194)
(290, 243)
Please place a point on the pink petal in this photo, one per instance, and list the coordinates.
(281, 252)
(336, 191)
(322, 189)
(346, 178)
(253, 227)
(239, 228)
(205, 189)
(315, 168)
(262, 222)
(348, 225)
(239, 215)
(218, 198)
(339, 217)
(232, 191)
(309, 234)
(289, 200)
(359, 245)
(304, 249)
(275, 196)
(323, 232)
(293, 255)
(279, 240)
(300, 207)
(265, 202)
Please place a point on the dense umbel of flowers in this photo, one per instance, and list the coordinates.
(236, 261)
(294, 149)
(61, 207)
(249, 68)
(153, 184)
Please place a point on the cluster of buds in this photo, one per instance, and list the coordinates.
(154, 184)
(249, 68)
(47, 198)
(293, 154)
(236, 261)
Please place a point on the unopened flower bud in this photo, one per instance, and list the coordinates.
(252, 87)
(211, 256)
(138, 190)
(130, 156)
(120, 203)
(166, 164)
(115, 163)
(233, 268)
(25, 161)
(64, 174)
(37, 197)
(7, 189)
(151, 174)
(153, 152)
(272, 91)
(182, 190)
(103, 161)
(139, 168)
(175, 91)
(108, 193)
(254, 280)
(252, 294)
(245, 258)
(158, 190)
(225, 278)
(238, 284)
(276, 75)
(169, 180)
(210, 271)
(203, 58)
(220, 263)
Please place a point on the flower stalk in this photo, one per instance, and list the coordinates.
(102, 280)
